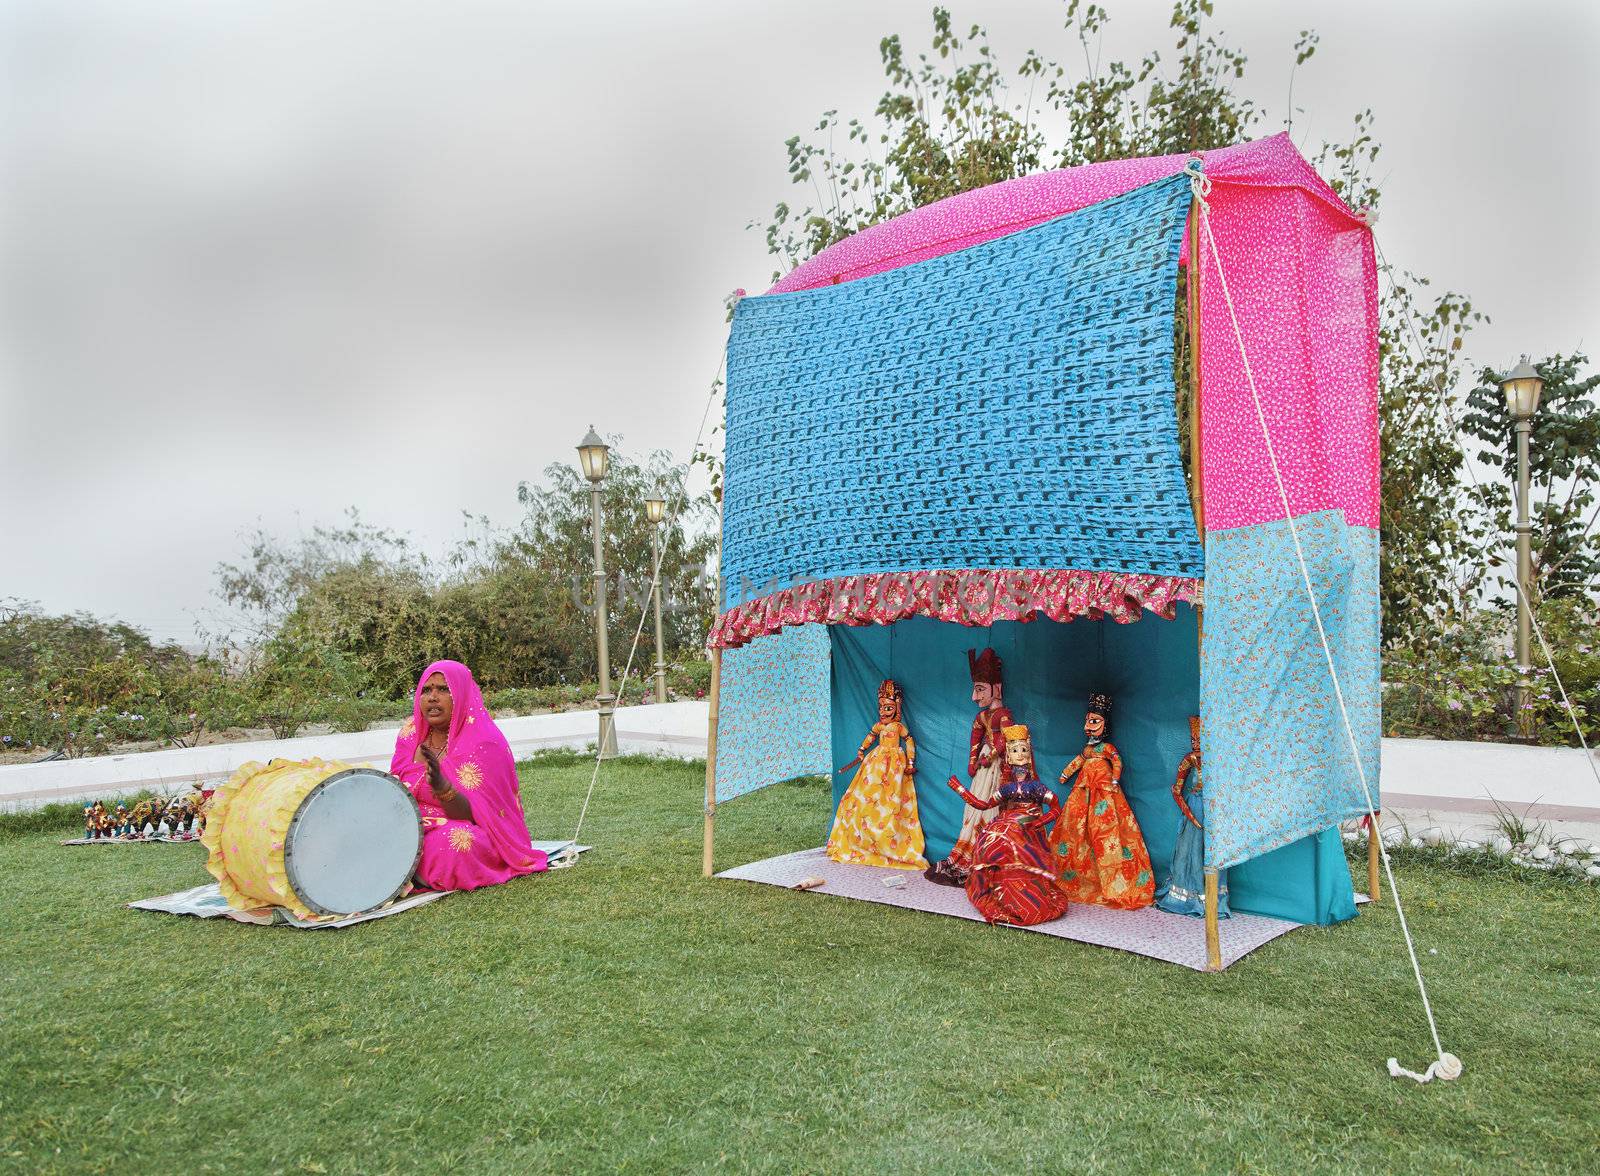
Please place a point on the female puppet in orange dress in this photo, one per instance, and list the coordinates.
(877, 822)
(1099, 850)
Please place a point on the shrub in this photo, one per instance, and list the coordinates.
(1465, 685)
(690, 679)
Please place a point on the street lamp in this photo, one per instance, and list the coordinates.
(592, 455)
(655, 510)
(1522, 386)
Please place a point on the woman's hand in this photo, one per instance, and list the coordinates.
(455, 806)
(435, 772)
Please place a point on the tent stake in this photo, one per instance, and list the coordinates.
(711, 759)
(1213, 932)
(1373, 832)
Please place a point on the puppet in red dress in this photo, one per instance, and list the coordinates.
(985, 760)
(1013, 877)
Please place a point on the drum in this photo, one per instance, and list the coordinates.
(321, 838)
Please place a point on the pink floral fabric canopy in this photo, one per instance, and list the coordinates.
(1295, 256)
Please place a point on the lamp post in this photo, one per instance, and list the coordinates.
(655, 510)
(592, 455)
(1522, 387)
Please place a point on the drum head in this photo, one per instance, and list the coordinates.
(353, 843)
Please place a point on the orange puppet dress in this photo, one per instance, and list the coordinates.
(877, 823)
(1100, 851)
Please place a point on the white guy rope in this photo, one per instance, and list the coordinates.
(568, 855)
(1447, 1065)
(1522, 593)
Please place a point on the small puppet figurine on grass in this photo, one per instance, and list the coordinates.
(877, 822)
(146, 815)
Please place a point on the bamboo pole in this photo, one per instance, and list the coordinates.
(1197, 501)
(714, 707)
(711, 760)
(1213, 932)
(1374, 831)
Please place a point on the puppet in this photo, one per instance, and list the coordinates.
(1012, 877)
(986, 751)
(1184, 890)
(1100, 852)
(877, 822)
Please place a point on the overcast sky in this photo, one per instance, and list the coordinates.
(260, 260)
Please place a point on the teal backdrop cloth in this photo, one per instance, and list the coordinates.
(1149, 668)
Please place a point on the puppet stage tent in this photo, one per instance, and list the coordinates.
(965, 416)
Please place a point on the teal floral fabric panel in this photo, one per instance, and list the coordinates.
(774, 721)
(1278, 763)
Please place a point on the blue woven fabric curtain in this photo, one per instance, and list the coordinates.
(1005, 406)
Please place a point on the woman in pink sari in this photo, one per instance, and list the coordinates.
(459, 767)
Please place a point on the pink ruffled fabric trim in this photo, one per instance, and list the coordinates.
(967, 597)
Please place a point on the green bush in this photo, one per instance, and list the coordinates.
(527, 699)
(689, 680)
(77, 707)
(1465, 685)
(524, 700)
(291, 684)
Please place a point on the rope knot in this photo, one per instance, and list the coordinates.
(1199, 182)
(564, 857)
(1447, 1068)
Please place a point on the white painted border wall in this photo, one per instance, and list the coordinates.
(1417, 773)
(674, 729)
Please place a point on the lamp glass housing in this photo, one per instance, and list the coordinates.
(592, 455)
(655, 509)
(1522, 387)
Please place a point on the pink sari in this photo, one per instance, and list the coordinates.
(494, 846)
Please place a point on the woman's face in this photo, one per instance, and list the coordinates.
(437, 705)
(1094, 726)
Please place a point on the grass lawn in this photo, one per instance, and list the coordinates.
(628, 1015)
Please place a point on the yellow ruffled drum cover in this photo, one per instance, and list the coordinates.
(247, 825)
